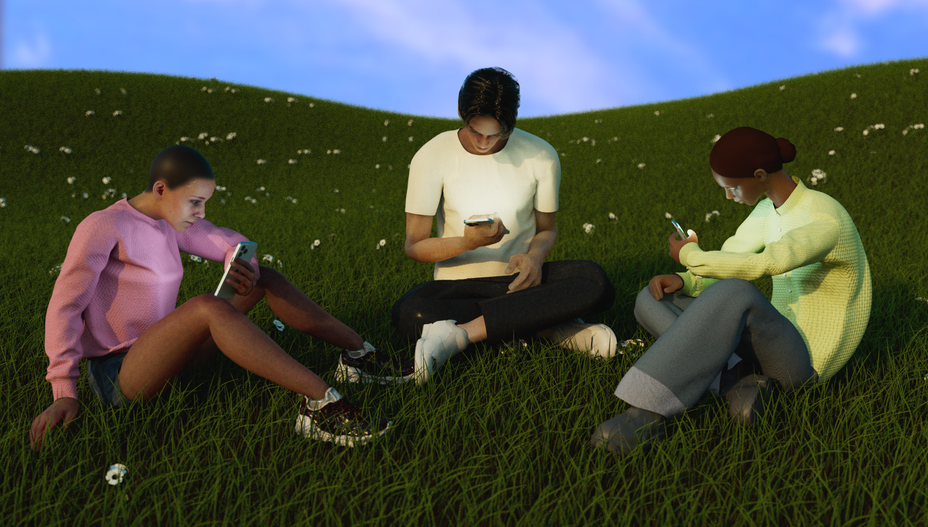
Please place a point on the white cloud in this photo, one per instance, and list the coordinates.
(843, 41)
(552, 61)
(841, 25)
(35, 53)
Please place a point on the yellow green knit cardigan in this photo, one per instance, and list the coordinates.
(821, 278)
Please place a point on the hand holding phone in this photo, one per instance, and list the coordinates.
(484, 219)
(677, 226)
(245, 251)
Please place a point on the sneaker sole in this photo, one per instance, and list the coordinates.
(345, 373)
(304, 427)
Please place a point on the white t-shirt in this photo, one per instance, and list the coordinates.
(450, 183)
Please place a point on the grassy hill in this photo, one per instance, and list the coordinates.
(498, 437)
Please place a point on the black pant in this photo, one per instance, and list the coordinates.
(568, 290)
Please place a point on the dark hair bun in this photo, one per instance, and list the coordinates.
(787, 150)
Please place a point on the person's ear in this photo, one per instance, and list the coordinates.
(158, 189)
(760, 174)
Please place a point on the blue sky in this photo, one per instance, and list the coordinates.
(410, 56)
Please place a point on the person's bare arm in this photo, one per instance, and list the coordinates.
(421, 247)
(529, 264)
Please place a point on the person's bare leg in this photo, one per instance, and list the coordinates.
(163, 350)
(294, 308)
(298, 311)
(476, 329)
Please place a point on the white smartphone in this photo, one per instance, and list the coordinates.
(478, 221)
(677, 226)
(245, 251)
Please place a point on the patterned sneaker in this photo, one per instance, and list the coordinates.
(333, 419)
(369, 365)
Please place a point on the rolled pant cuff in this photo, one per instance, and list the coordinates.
(643, 391)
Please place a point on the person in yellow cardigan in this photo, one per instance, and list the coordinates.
(716, 329)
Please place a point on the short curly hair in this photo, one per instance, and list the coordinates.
(490, 92)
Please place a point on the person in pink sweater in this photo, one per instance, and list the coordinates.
(114, 305)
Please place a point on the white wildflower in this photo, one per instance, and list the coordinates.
(230, 136)
(831, 152)
(657, 112)
(598, 161)
(409, 122)
(85, 195)
(196, 259)
(588, 227)
(782, 87)
(913, 71)
(88, 113)
(262, 161)
(336, 151)
(279, 325)
(381, 243)
(290, 100)
(268, 258)
(214, 139)
(65, 149)
(340, 210)
(710, 116)
(202, 136)
(386, 122)
(613, 217)
(641, 165)
(97, 90)
(839, 129)
(866, 132)
(384, 139)
(203, 88)
(410, 139)
(123, 90)
(115, 474)
(377, 166)
(853, 95)
(716, 138)
(71, 180)
(291, 161)
(311, 105)
(106, 180)
(268, 99)
(66, 219)
(184, 139)
(668, 215)
(117, 113)
(334, 191)
(708, 216)
(55, 270)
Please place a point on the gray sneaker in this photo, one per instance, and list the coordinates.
(632, 428)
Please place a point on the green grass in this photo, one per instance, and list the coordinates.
(501, 435)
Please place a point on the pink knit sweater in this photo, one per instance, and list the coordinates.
(122, 274)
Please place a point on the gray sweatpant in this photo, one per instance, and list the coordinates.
(697, 336)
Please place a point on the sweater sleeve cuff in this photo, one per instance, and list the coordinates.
(64, 388)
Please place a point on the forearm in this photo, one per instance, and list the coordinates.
(541, 245)
(437, 249)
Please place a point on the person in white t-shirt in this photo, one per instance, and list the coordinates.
(491, 280)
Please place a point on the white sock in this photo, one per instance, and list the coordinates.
(357, 354)
(331, 395)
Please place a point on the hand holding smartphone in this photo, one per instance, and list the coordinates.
(677, 226)
(474, 221)
(245, 251)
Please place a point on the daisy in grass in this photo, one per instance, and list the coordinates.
(115, 474)
(588, 228)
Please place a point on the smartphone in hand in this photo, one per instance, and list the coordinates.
(473, 222)
(677, 226)
(245, 251)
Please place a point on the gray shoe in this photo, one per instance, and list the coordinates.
(634, 427)
(748, 398)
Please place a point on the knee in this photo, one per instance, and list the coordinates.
(736, 291)
(268, 278)
(208, 305)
